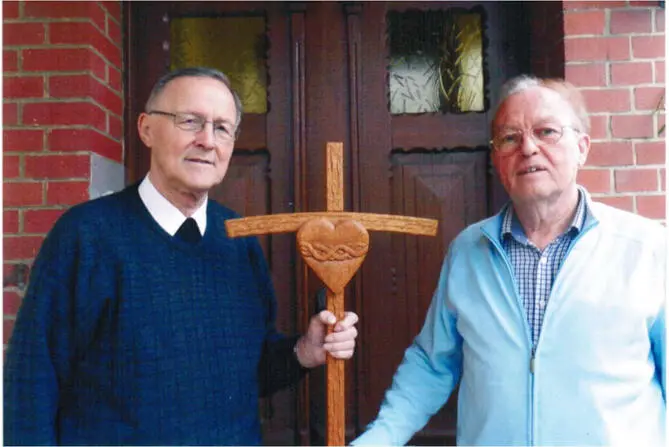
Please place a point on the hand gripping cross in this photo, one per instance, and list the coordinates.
(333, 243)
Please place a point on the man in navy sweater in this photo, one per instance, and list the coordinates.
(143, 322)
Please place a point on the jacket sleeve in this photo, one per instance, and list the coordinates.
(40, 348)
(658, 342)
(426, 377)
(278, 366)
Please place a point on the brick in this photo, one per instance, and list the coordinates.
(7, 328)
(653, 207)
(66, 113)
(10, 61)
(63, 59)
(11, 302)
(648, 98)
(586, 75)
(632, 126)
(23, 86)
(85, 33)
(659, 72)
(631, 73)
(22, 140)
(40, 221)
(115, 80)
(11, 166)
(607, 100)
(595, 180)
(17, 248)
(21, 193)
(611, 154)
(599, 125)
(64, 140)
(114, 31)
(631, 21)
(660, 118)
(57, 166)
(633, 180)
(597, 49)
(644, 3)
(66, 193)
(10, 221)
(10, 9)
(659, 20)
(82, 86)
(648, 46)
(625, 203)
(113, 8)
(650, 152)
(663, 179)
(65, 10)
(573, 5)
(584, 22)
(10, 113)
(115, 127)
(22, 33)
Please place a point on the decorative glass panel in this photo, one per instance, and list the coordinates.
(234, 45)
(436, 61)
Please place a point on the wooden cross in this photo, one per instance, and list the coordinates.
(334, 244)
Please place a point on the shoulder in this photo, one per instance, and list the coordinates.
(627, 225)
(97, 211)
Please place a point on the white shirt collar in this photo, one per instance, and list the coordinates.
(167, 215)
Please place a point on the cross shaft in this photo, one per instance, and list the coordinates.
(333, 243)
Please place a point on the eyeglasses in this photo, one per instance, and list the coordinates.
(223, 132)
(508, 140)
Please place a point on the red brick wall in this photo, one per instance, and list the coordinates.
(615, 53)
(63, 101)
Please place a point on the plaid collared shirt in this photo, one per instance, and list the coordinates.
(535, 270)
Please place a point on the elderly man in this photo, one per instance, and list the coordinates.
(143, 322)
(551, 313)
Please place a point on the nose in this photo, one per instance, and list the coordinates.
(205, 137)
(528, 145)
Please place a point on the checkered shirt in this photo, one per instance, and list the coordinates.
(535, 270)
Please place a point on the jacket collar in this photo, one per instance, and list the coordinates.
(492, 227)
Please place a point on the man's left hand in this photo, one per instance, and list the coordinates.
(311, 348)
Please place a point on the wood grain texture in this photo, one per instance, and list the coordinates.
(290, 222)
(336, 380)
(334, 176)
(334, 252)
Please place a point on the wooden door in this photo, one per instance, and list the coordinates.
(330, 74)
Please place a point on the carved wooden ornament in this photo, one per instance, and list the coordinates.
(333, 244)
(334, 251)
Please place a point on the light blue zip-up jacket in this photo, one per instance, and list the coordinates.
(597, 376)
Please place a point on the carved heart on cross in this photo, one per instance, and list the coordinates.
(333, 251)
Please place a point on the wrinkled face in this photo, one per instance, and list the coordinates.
(536, 171)
(189, 161)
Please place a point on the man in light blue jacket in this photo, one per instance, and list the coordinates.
(551, 314)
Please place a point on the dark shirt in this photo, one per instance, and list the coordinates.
(128, 335)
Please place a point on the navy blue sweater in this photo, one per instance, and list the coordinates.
(127, 335)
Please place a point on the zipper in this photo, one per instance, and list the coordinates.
(530, 405)
(532, 360)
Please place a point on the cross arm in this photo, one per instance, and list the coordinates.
(290, 222)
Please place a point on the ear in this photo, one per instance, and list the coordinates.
(144, 129)
(583, 148)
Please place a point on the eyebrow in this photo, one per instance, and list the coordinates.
(219, 120)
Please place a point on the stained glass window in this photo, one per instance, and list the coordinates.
(234, 45)
(436, 61)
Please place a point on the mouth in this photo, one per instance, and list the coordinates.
(530, 170)
(200, 161)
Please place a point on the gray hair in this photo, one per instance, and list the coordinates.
(565, 89)
(196, 72)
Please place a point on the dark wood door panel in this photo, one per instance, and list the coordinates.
(327, 70)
